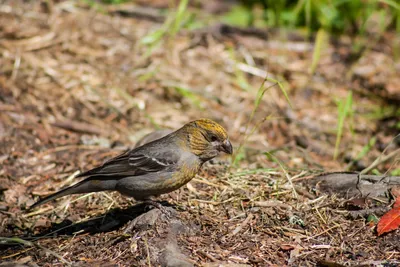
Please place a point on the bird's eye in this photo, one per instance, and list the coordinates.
(214, 138)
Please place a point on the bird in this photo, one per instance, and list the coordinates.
(157, 134)
(158, 167)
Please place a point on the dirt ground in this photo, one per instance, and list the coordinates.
(79, 84)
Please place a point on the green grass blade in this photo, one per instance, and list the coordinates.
(308, 14)
(189, 94)
(179, 17)
(344, 110)
(282, 89)
(320, 44)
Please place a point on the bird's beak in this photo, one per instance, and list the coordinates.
(227, 147)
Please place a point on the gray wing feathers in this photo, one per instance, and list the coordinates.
(136, 162)
(142, 162)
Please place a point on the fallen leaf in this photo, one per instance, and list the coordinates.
(396, 194)
(324, 263)
(42, 223)
(390, 221)
(395, 191)
(286, 247)
(396, 203)
(5, 184)
(294, 253)
(14, 194)
(357, 203)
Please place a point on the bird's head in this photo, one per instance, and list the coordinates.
(206, 138)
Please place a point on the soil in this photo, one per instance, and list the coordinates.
(79, 84)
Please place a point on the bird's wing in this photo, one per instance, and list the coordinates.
(135, 162)
(153, 163)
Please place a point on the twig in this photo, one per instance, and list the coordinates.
(323, 232)
(380, 160)
(79, 127)
(16, 254)
(147, 251)
(16, 66)
(242, 225)
(320, 246)
(67, 147)
(295, 195)
(137, 12)
(214, 202)
(207, 255)
(272, 203)
(208, 183)
(5, 240)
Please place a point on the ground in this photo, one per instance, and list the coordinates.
(81, 83)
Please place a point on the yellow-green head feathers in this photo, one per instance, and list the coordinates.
(206, 138)
(211, 127)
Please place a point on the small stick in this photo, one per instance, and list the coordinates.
(242, 225)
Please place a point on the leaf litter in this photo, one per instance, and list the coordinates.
(76, 89)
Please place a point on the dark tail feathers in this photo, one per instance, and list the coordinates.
(86, 186)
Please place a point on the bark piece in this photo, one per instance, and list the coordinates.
(348, 184)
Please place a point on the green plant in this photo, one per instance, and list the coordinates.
(344, 111)
(367, 148)
(320, 43)
(174, 22)
(334, 16)
(114, 2)
(239, 154)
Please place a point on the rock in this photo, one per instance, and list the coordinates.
(144, 221)
(172, 257)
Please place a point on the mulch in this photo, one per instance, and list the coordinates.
(79, 85)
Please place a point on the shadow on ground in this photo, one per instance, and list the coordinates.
(114, 219)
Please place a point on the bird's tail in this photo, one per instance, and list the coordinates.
(86, 186)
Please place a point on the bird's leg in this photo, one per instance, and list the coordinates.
(153, 203)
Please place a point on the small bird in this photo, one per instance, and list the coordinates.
(155, 168)
(150, 137)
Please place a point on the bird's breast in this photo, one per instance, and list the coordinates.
(181, 177)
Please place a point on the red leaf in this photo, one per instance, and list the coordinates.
(389, 221)
(286, 247)
(396, 203)
(395, 191)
